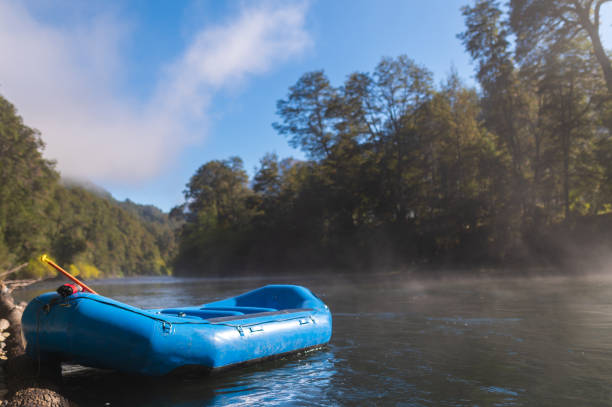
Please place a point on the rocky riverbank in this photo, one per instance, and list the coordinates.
(4, 324)
(4, 334)
(25, 382)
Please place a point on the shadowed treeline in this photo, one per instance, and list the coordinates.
(402, 171)
(399, 171)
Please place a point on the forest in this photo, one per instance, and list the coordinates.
(82, 228)
(401, 171)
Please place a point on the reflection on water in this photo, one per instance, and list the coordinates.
(396, 342)
(307, 374)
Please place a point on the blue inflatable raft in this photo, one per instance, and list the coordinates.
(96, 331)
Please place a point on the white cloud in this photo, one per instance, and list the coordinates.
(65, 82)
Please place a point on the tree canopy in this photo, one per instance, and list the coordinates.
(400, 170)
(403, 171)
(85, 230)
(540, 24)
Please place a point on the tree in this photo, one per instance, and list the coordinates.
(504, 101)
(267, 179)
(307, 115)
(27, 182)
(218, 212)
(402, 89)
(539, 24)
(80, 228)
(216, 193)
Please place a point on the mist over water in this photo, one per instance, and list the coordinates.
(396, 341)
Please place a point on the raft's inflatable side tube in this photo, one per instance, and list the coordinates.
(96, 331)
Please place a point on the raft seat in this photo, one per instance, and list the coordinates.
(200, 314)
(240, 310)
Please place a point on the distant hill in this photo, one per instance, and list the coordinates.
(87, 185)
(79, 224)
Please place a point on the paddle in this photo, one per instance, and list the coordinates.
(45, 259)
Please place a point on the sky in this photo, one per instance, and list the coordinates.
(135, 95)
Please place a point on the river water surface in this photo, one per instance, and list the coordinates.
(396, 341)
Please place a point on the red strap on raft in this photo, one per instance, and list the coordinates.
(69, 289)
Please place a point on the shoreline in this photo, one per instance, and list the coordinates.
(4, 327)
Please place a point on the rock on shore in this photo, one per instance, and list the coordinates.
(4, 325)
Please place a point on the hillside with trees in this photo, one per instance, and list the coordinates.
(402, 170)
(84, 229)
(399, 170)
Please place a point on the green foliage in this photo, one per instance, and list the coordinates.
(541, 25)
(85, 270)
(36, 269)
(308, 115)
(83, 229)
(398, 169)
(401, 171)
(27, 182)
(217, 214)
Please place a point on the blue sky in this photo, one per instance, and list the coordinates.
(135, 96)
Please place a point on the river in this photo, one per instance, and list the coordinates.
(396, 341)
